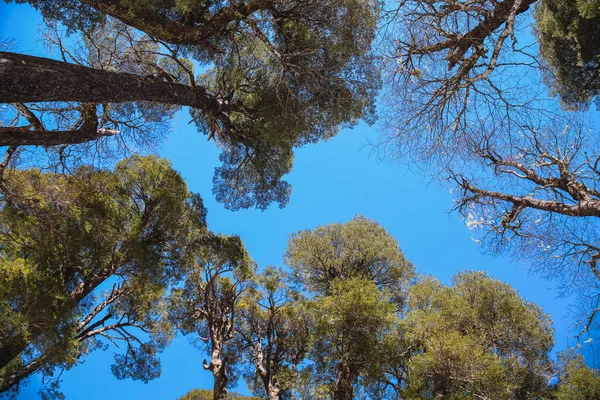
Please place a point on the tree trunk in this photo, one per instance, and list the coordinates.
(36, 79)
(217, 367)
(343, 386)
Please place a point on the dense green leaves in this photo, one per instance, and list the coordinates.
(477, 337)
(363, 331)
(64, 236)
(569, 43)
(275, 76)
(274, 332)
(360, 248)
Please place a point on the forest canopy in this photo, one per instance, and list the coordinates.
(102, 247)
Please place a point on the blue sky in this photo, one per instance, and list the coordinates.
(332, 182)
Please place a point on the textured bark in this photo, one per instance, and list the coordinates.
(272, 387)
(219, 371)
(37, 79)
(161, 27)
(343, 385)
(18, 136)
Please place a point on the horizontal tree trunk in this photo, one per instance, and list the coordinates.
(18, 136)
(28, 79)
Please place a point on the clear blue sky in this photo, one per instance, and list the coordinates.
(332, 182)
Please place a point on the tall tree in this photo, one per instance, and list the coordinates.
(277, 75)
(477, 339)
(207, 304)
(63, 236)
(467, 103)
(359, 277)
(274, 330)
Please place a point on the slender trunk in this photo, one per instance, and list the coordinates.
(36, 79)
(343, 386)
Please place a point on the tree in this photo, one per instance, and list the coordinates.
(278, 75)
(451, 69)
(537, 196)
(63, 236)
(360, 248)
(349, 324)
(576, 379)
(207, 304)
(467, 102)
(477, 339)
(566, 31)
(483, 339)
(274, 329)
(200, 394)
(358, 276)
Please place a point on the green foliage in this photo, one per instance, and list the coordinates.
(359, 278)
(570, 44)
(207, 302)
(61, 237)
(203, 394)
(477, 337)
(283, 75)
(576, 380)
(347, 331)
(360, 248)
(274, 328)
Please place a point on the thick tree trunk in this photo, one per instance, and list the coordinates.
(219, 371)
(35, 79)
(18, 136)
(343, 386)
